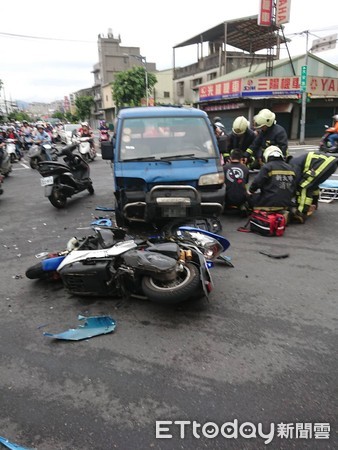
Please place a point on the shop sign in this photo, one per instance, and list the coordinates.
(221, 90)
(322, 86)
(274, 86)
(265, 13)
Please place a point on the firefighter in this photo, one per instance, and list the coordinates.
(311, 169)
(241, 136)
(270, 133)
(275, 182)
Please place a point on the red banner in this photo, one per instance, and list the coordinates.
(265, 13)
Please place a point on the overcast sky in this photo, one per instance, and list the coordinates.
(47, 69)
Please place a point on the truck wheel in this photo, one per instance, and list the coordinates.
(182, 288)
(119, 218)
(57, 198)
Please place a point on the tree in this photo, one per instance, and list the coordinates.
(129, 87)
(19, 116)
(83, 106)
(58, 115)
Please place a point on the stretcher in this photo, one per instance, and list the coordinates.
(328, 191)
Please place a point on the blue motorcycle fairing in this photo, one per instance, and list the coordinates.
(51, 264)
(221, 239)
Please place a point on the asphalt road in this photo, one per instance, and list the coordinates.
(261, 351)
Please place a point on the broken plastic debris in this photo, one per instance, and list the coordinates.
(281, 256)
(10, 445)
(41, 255)
(93, 326)
(104, 208)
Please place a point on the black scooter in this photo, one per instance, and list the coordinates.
(63, 180)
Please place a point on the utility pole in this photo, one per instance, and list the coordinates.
(304, 93)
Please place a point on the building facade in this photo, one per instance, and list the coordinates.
(229, 84)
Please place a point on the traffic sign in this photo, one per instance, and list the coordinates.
(303, 76)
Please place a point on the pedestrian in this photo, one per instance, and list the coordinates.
(270, 133)
(275, 181)
(311, 169)
(236, 175)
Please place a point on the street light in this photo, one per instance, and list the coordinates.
(144, 63)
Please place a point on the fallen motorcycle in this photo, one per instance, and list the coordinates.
(63, 180)
(165, 270)
(46, 269)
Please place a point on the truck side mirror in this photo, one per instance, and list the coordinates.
(107, 150)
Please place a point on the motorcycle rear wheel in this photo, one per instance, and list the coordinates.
(36, 272)
(57, 198)
(172, 292)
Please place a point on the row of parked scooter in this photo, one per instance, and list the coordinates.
(43, 156)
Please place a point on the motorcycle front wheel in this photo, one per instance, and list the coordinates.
(91, 189)
(182, 288)
(57, 198)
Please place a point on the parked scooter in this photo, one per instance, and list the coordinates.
(325, 144)
(6, 165)
(37, 153)
(63, 180)
(171, 270)
(85, 148)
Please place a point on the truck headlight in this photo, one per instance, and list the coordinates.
(211, 178)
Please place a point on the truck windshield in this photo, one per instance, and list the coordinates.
(161, 137)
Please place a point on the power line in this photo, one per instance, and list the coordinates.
(333, 27)
(25, 36)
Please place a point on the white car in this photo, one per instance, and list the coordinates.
(68, 131)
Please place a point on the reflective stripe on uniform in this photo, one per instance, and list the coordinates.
(310, 173)
(281, 172)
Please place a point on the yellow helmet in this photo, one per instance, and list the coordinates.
(240, 125)
(265, 117)
(272, 150)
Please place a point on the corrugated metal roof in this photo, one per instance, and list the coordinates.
(243, 33)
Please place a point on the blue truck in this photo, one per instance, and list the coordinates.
(166, 164)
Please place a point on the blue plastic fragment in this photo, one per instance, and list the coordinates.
(93, 326)
(12, 446)
(102, 222)
(104, 208)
